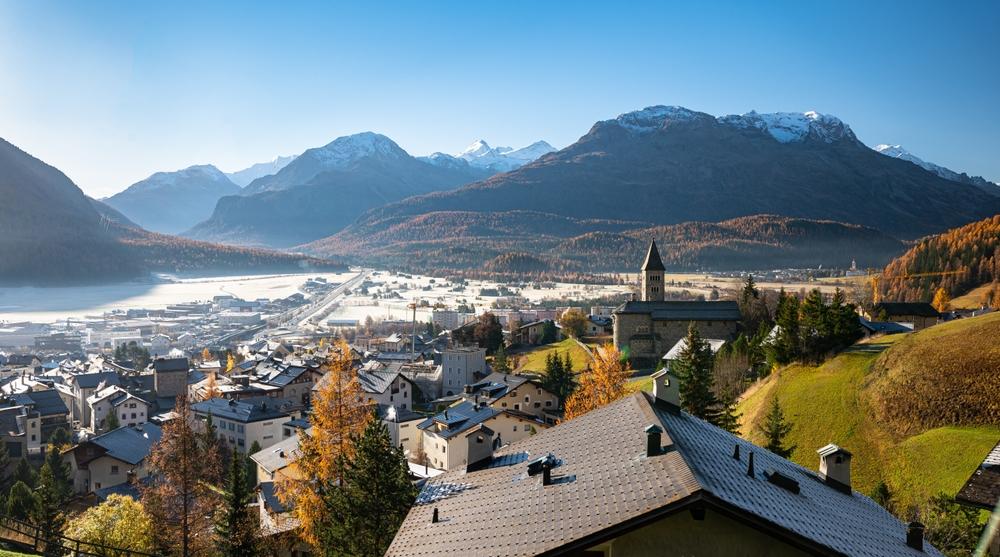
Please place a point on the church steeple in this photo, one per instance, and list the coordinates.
(652, 275)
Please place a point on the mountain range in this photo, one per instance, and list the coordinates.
(898, 152)
(243, 177)
(53, 234)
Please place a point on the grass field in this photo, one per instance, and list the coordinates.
(534, 359)
(829, 404)
(972, 299)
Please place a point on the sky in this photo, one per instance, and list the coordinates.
(110, 92)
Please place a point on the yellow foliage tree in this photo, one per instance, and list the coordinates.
(941, 300)
(230, 363)
(120, 522)
(604, 383)
(573, 323)
(339, 411)
(211, 387)
(206, 355)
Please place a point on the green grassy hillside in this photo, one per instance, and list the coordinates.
(534, 359)
(836, 403)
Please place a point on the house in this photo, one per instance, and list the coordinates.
(20, 431)
(533, 333)
(461, 366)
(878, 328)
(51, 409)
(403, 428)
(917, 315)
(293, 382)
(385, 385)
(129, 409)
(83, 386)
(521, 393)
(641, 477)
(170, 376)
(109, 459)
(649, 327)
(445, 436)
(714, 344)
(240, 423)
(278, 460)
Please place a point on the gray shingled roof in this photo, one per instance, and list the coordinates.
(685, 311)
(377, 381)
(983, 487)
(46, 403)
(248, 410)
(605, 484)
(129, 444)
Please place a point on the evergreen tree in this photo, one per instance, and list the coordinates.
(5, 478)
(815, 327)
(59, 476)
(881, 495)
(558, 378)
(234, 527)
(693, 369)
(488, 332)
(775, 429)
(549, 332)
(59, 438)
(726, 416)
(25, 473)
(20, 501)
(501, 363)
(251, 465)
(374, 498)
(785, 347)
(750, 291)
(50, 495)
(111, 422)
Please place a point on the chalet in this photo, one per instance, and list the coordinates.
(641, 477)
(916, 315)
(445, 436)
(109, 459)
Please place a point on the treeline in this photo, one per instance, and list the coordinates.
(973, 250)
(810, 329)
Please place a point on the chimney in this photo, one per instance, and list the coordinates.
(546, 474)
(750, 464)
(666, 389)
(480, 448)
(915, 536)
(653, 432)
(835, 467)
(468, 389)
(434, 517)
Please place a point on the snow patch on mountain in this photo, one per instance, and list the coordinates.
(444, 160)
(502, 159)
(898, 152)
(654, 117)
(246, 175)
(344, 150)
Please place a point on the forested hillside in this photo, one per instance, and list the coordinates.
(973, 249)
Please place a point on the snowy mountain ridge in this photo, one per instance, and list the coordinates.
(246, 175)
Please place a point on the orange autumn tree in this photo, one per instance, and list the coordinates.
(338, 412)
(604, 383)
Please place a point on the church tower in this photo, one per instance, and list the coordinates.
(652, 275)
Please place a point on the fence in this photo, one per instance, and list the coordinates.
(38, 540)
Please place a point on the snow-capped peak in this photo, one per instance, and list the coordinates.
(502, 159)
(244, 176)
(789, 127)
(347, 149)
(478, 149)
(898, 152)
(654, 117)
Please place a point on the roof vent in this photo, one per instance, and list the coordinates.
(434, 517)
(782, 481)
(750, 465)
(736, 451)
(835, 467)
(915, 535)
(653, 432)
(535, 466)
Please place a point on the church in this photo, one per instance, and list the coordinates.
(647, 328)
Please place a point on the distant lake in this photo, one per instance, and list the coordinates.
(49, 304)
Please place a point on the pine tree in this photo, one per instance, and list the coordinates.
(883, 496)
(375, 497)
(603, 384)
(25, 473)
(726, 416)
(59, 439)
(20, 501)
(750, 291)
(775, 429)
(501, 363)
(5, 477)
(49, 498)
(558, 378)
(234, 528)
(111, 422)
(59, 475)
(814, 327)
(251, 465)
(786, 348)
(693, 369)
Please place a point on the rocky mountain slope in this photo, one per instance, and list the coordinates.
(898, 152)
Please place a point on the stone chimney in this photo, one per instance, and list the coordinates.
(835, 467)
(666, 389)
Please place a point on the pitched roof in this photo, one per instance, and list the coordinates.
(603, 483)
(248, 410)
(685, 311)
(653, 261)
(46, 402)
(922, 309)
(378, 380)
(129, 444)
(92, 380)
(714, 344)
(459, 418)
(983, 488)
(171, 364)
(278, 455)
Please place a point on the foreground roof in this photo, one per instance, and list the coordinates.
(604, 485)
(983, 487)
(129, 444)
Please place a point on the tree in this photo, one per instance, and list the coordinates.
(50, 495)
(501, 362)
(941, 300)
(786, 347)
(338, 413)
(488, 333)
(375, 496)
(693, 369)
(119, 522)
(234, 527)
(180, 499)
(111, 422)
(775, 429)
(750, 291)
(574, 323)
(883, 496)
(211, 387)
(58, 439)
(549, 332)
(814, 327)
(251, 465)
(953, 528)
(604, 383)
(558, 378)
(25, 473)
(230, 363)
(20, 501)
(5, 478)
(59, 473)
(206, 355)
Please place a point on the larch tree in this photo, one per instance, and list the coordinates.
(230, 363)
(181, 499)
(120, 522)
(941, 300)
(206, 355)
(235, 529)
(775, 429)
(604, 383)
(339, 412)
(693, 368)
(374, 497)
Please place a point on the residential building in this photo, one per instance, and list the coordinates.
(51, 409)
(533, 333)
(240, 423)
(714, 345)
(915, 315)
(170, 376)
(445, 436)
(110, 459)
(130, 410)
(461, 366)
(20, 431)
(521, 393)
(385, 385)
(640, 477)
(83, 386)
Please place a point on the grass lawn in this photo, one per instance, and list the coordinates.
(641, 384)
(827, 404)
(6, 553)
(534, 359)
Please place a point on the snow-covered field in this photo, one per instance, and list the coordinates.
(46, 305)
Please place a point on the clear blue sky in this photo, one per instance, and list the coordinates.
(110, 92)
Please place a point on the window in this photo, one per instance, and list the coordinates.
(268, 437)
(125, 416)
(515, 427)
(538, 405)
(240, 442)
(504, 404)
(527, 399)
(239, 429)
(517, 407)
(232, 426)
(114, 470)
(548, 403)
(133, 415)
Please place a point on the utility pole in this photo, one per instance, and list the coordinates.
(413, 336)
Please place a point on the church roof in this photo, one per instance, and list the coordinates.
(653, 261)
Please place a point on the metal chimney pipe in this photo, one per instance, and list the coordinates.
(750, 465)
(915, 536)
